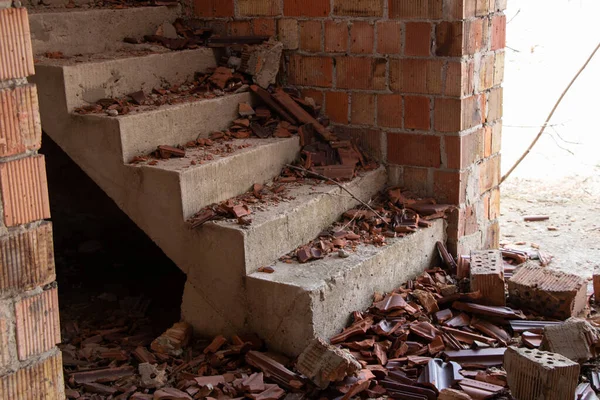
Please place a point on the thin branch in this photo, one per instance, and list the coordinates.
(335, 183)
(562, 96)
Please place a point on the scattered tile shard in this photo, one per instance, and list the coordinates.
(324, 363)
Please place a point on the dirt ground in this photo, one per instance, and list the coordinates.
(561, 177)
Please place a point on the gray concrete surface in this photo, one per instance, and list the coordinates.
(97, 30)
(300, 301)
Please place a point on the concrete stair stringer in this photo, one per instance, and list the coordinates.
(98, 30)
(301, 301)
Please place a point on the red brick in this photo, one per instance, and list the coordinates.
(361, 73)
(487, 141)
(489, 174)
(264, 26)
(418, 39)
(311, 71)
(496, 137)
(358, 8)
(20, 124)
(498, 32)
(316, 95)
(15, 46)
(459, 78)
(389, 110)
(486, 71)
(494, 204)
(240, 28)
(37, 324)
(41, 381)
(455, 9)
(499, 68)
(414, 150)
(463, 151)
(27, 259)
(473, 36)
(311, 33)
(369, 140)
(24, 190)
(454, 115)
(450, 187)
(389, 37)
(416, 180)
(482, 8)
(494, 104)
(415, 9)
(492, 236)
(449, 38)
(336, 36)
(363, 109)
(336, 104)
(258, 8)
(416, 76)
(213, 8)
(287, 31)
(306, 8)
(362, 37)
(417, 113)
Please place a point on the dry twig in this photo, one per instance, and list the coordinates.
(539, 135)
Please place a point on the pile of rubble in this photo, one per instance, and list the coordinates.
(393, 214)
(436, 337)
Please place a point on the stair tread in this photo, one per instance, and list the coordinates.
(300, 194)
(317, 273)
(121, 52)
(241, 146)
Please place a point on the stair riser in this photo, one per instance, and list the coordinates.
(94, 31)
(177, 124)
(290, 315)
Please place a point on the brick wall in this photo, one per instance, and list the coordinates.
(418, 81)
(30, 363)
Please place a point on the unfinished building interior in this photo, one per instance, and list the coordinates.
(318, 179)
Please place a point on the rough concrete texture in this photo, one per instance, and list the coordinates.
(301, 301)
(575, 339)
(264, 63)
(540, 375)
(53, 31)
(275, 231)
(88, 79)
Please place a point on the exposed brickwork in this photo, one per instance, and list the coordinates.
(15, 44)
(37, 323)
(27, 258)
(424, 74)
(24, 190)
(30, 364)
(42, 381)
(20, 124)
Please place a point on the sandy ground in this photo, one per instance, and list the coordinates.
(548, 42)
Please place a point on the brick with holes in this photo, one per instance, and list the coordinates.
(487, 276)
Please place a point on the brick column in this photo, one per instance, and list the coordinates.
(30, 362)
(416, 81)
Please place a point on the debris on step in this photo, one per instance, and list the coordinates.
(262, 62)
(166, 152)
(167, 30)
(324, 363)
(551, 293)
(534, 374)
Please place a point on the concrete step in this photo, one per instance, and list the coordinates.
(65, 84)
(301, 301)
(225, 252)
(142, 131)
(91, 31)
(219, 179)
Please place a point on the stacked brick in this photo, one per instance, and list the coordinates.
(418, 82)
(30, 363)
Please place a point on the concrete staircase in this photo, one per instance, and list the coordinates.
(224, 292)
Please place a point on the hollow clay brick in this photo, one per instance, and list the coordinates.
(487, 276)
